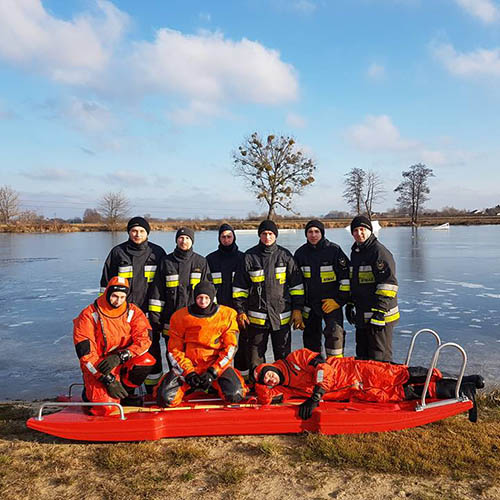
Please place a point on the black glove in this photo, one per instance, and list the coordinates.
(207, 378)
(377, 321)
(112, 361)
(114, 387)
(350, 313)
(307, 407)
(193, 379)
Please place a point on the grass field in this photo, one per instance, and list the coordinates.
(451, 459)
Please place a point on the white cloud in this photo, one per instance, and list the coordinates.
(127, 178)
(378, 133)
(376, 71)
(70, 52)
(479, 63)
(208, 67)
(205, 70)
(305, 6)
(295, 120)
(485, 10)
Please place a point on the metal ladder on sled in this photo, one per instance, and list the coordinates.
(61, 404)
(440, 346)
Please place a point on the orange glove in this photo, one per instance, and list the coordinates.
(242, 320)
(297, 320)
(329, 305)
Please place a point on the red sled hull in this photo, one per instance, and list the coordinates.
(218, 419)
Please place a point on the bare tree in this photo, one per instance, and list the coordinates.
(274, 171)
(91, 215)
(114, 206)
(374, 192)
(413, 190)
(9, 204)
(354, 188)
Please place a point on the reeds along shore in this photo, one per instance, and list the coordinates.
(213, 225)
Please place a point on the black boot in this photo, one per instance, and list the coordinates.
(476, 380)
(445, 389)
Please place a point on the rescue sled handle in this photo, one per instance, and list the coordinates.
(80, 403)
(414, 338)
(423, 405)
(76, 384)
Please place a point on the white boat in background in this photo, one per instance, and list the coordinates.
(375, 225)
(444, 226)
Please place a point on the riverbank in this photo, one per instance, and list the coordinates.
(213, 225)
(451, 459)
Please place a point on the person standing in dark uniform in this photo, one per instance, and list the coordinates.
(137, 260)
(374, 289)
(223, 263)
(178, 274)
(325, 269)
(268, 295)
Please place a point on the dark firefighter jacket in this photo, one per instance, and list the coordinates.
(137, 263)
(267, 286)
(223, 264)
(325, 269)
(178, 273)
(374, 286)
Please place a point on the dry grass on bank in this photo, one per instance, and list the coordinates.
(451, 459)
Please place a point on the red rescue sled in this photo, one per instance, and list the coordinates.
(209, 417)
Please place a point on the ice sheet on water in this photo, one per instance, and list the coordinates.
(85, 291)
(407, 310)
(475, 326)
(427, 293)
(490, 295)
(419, 281)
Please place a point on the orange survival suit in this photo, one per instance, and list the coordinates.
(304, 371)
(102, 330)
(202, 342)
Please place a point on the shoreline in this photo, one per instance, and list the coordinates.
(238, 224)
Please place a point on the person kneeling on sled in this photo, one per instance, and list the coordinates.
(305, 373)
(202, 345)
(112, 338)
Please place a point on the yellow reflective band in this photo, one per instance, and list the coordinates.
(194, 279)
(216, 278)
(239, 292)
(257, 318)
(306, 271)
(345, 288)
(377, 322)
(296, 292)
(257, 279)
(285, 317)
(392, 317)
(152, 379)
(366, 277)
(149, 273)
(157, 309)
(171, 280)
(386, 293)
(327, 274)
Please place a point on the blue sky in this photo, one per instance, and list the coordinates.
(150, 98)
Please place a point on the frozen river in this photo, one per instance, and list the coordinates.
(449, 281)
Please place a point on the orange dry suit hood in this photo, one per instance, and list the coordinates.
(115, 284)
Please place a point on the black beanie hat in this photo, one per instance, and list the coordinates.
(226, 227)
(116, 288)
(361, 221)
(271, 368)
(138, 221)
(316, 223)
(205, 287)
(185, 231)
(268, 225)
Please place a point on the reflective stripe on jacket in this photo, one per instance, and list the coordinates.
(267, 286)
(173, 286)
(139, 266)
(373, 281)
(325, 269)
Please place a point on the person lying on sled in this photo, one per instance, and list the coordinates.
(112, 338)
(305, 373)
(202, 345)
